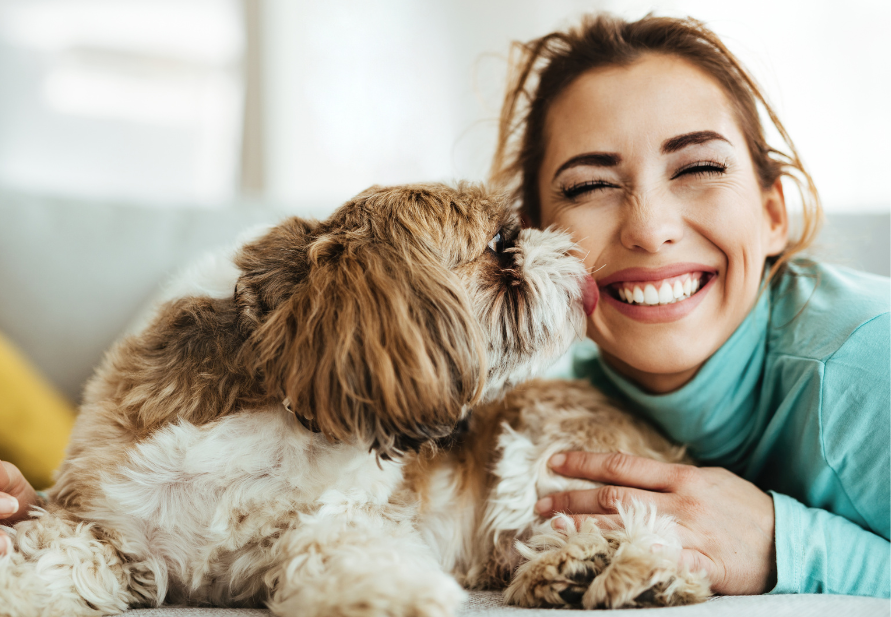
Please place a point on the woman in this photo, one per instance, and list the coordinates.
(644, 140)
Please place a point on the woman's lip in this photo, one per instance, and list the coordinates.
(643, 275)
(661, 313)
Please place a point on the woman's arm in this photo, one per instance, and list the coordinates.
(820, 552)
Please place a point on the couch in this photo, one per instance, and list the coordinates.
(74, 274)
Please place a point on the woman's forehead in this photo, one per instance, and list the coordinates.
(638, 106)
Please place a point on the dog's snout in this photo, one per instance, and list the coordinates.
(507, 260)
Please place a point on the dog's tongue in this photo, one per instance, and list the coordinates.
(590, 294)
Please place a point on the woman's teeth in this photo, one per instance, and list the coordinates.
(659, 292)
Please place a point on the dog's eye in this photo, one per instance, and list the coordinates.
(496, 244)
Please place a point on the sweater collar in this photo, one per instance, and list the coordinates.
(714, 413)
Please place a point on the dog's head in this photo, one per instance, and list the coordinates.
(388, 321)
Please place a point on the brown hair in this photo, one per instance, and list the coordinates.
(541, 69)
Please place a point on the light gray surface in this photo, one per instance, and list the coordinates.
(486, 603)
(73, 275)
(859, 241)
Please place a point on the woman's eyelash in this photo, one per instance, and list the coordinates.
(574, 190)
(701, 168)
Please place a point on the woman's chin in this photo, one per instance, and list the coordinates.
(660, 359)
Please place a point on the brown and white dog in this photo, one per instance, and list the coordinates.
(295, 430)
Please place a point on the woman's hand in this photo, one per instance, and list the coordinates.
(725, 523)
(16, 499)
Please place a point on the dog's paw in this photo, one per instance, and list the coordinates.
(427, 596)
(362, 575)
(644, 568)
(638, 579)
(443, 599)
(560, 567)
(590, 568)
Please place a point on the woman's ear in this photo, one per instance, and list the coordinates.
(776, 219)
(378, 342)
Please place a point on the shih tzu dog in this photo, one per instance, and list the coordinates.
(333, 423)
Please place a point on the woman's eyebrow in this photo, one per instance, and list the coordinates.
(611, 159)
(690, 139)
(593, 159)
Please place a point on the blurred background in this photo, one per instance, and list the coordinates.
(136, 135)
(203, 102)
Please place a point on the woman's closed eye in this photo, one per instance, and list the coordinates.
(700, 169)
(696, 169)
(571, 191)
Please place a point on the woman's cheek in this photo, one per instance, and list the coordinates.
(587, 231)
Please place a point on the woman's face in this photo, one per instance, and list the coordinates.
(646, 167)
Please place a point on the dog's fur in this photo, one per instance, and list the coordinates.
(296, 430)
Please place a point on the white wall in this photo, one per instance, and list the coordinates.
(396, 90)
(359, 93)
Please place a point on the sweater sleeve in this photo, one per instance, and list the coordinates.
(822, 552)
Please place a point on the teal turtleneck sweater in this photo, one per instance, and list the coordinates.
(797, 401)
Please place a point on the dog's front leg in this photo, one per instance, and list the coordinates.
(368, 563)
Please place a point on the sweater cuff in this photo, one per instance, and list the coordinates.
(788, 540)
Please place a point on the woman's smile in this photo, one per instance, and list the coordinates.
(657, 295)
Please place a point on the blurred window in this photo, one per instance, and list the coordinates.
(138, 100)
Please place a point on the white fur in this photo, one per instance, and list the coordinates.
(525, 456)
(447, 523)
(184, 484)
(552, 280)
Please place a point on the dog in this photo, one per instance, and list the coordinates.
(335, 422)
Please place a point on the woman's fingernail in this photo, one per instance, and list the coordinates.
(544, 505)
(557, 460)
(8, 504)
(558, 523)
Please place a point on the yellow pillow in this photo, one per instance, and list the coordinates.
(35, 421)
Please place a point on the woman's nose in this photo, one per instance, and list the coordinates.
(649, 224)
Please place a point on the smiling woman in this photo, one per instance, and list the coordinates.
(644, 140)
(665, 191)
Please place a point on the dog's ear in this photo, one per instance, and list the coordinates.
(379, 342)
(273, 268)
